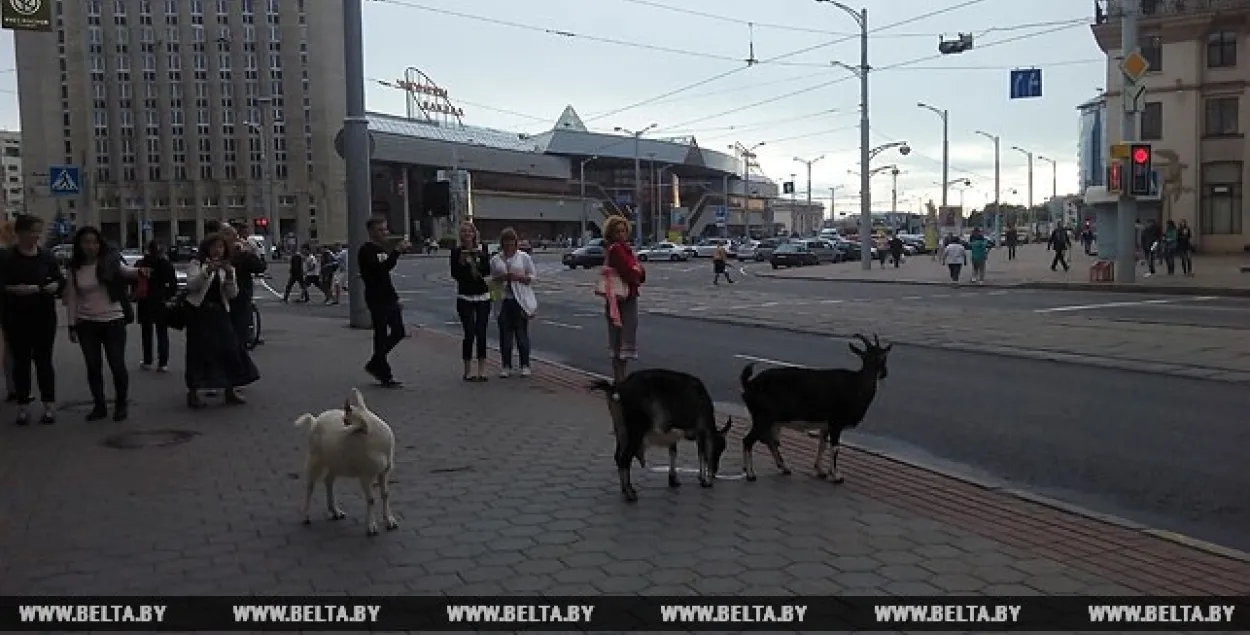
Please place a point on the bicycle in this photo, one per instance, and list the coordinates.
(253, 331)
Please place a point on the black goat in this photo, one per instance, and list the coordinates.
(658, 407)
(830, 399)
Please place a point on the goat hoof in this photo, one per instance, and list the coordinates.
(673, 482)
(785, 471)
(631, 496)
(307, 521)
(751, 478)
(371, 532)
(705, 482)
(838, 479)
(337, 515)
(821, 475)
(392, 524)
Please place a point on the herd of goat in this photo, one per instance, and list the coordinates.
(659, 408)
(652, 407)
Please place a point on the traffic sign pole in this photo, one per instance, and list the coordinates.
(1126, 212)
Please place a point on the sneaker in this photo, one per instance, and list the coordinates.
(97, 413)
(162, 369)
(505, 373)
(49, 415)
(525, 371)
(145, 366)
(23, 417)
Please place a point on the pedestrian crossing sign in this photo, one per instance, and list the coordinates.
(65, 180)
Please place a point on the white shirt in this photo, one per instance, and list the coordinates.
(954, 254)
(520, 263)
(312, 266)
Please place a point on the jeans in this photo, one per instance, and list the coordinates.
(1187, 261)
(291, 281)
(388, 332)
(1059, 259)
(514, 326)
(100, 342)
(1169, 260)
(158, 328)
(1011, 252)
(474, 319)
(1150, 258)
(978, 270)
(31, 340)
(8, 372)
(955, 271)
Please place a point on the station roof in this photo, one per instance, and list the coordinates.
(568, 137)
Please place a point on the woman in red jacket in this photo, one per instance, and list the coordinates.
(623, 325)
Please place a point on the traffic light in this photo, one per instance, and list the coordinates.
(952, 47)
(1115, 183)
(1141, 173)
(261, 223)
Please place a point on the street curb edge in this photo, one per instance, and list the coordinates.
(1222, 292)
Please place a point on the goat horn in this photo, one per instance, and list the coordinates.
(876, 340)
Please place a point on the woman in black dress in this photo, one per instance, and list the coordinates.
(216, 358)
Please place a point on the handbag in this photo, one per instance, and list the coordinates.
(176, 311)
(610, 283)
(525, 297)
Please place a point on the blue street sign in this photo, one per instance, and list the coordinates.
(60, 226)
(1026, 83)
(147, 225)
(722, 214)
(65, 180)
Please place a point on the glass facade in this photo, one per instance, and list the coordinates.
(1092, 145)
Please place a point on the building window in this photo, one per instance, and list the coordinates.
(1152, 121)
(1222, 49)
(1222, 116)
(1221, 199)
(1152, 50)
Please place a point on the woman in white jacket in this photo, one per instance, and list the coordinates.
(513, 270)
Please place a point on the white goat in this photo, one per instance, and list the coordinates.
(353, 443)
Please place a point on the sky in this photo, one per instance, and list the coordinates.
(516, 65)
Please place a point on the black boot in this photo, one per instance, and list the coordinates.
(99, 412)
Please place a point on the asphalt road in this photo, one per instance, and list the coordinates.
(1166, 452)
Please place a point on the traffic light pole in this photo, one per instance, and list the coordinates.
(1126, 212)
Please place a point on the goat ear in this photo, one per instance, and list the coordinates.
(356, 400)
(889, 347)
(729, 422)
(855, 349)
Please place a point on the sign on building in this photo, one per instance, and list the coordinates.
(26, 15)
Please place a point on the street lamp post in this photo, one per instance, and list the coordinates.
(637, 135)
(865, 152)
(747, 155)
(581, 238)
(946, 147)
(1029, 209)
(998, 203)
(356, 153)
(809, 178)
(1054, 186)
(894, 189)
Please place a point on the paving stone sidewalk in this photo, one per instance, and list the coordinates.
(508, 487)
(1215, 275)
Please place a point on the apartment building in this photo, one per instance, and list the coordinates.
(12, 194)
(1192, 112)
(1091, 146)
(179, 111)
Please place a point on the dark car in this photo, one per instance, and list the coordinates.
(586, 257)
(792, 255)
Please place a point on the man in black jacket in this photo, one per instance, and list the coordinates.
(1060, 242)
(295, 276)
(1012, 238)
(1150, 235)
(375, 261)
(248, 263)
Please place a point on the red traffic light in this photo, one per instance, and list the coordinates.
(262, 222)
(1141, 156)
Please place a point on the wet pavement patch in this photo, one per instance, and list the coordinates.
(149, 439)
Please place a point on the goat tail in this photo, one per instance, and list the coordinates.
(745, 377)
(603, 385)
(306, 421)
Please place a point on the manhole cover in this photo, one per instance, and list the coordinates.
(149, 439)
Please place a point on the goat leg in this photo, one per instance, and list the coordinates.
(706, 478)
(673, 481)
(623, 458)
(384, 486)
(332, 505)
(366, 486)
(823, 445)
(748, 459)
(311, 475)
(774, 447)
(837, 475)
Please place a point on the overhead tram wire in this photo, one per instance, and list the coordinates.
(895, 65)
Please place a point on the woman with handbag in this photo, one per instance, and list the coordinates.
(98, 311)
(514, 271)
(152, 294)
(622, 275)
(216, 358)
(470, 268)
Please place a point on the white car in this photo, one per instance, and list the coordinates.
(664, 251)
(707, 247)
(745, 250)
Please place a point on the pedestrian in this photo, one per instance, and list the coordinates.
(881, 249)
(8, 238)
(1012, 239)
(514, 271)
(32, 281)
(295, 276)
(896, 249)
(1087, 239)
(216, 359)
(471, 269)
(1149, 239)
(152, 297)
(621, 268)
(954, 256)
(248, 262)
(98, 310)
(312, 270)
(1060, 242)
(1168, 246)
(339, 282)
(979, 250)
(376, 259)
(1185, 247)
(720, 264)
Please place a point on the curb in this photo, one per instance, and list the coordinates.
(1044, 501)
(1111, 287)
(1225, 375)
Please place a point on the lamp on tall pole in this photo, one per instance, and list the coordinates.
(1029, 154)
(865, 153)
(809, 177)
(356, 151)
(894, 172)
(747, 155)
(998, 183)
(1054, 186)
(581, 238)
(946, 146)
(637, 135)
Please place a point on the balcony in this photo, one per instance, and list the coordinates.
(1107, 10)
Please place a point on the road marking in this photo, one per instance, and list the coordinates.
(691, 470)
(771, 362)
(265, 284)
(769, 304)
(563, 325)
(587, 315)
(831, 301)
(696, 309)
(912, 297)
(1114, 305)
(999, 292)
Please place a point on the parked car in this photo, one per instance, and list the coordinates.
(663, 251)
(591, 255)
(744, 249)
(62, 253)
(524, 245)
(853, 249)
(793, 255)
(706, 248)
(825, 250)
(764, 249)
(131, 257)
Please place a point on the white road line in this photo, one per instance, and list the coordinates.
(912, 297)
(771, 362)
(1114, 305)
(563, 325)
(265, 284)
(696, 309)
(831, 301)
(999, 292)
(769, 304)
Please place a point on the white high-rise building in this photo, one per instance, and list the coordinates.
(179, 111)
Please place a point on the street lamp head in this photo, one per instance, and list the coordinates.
(904, 149)
(618, 129)
(967, 182)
